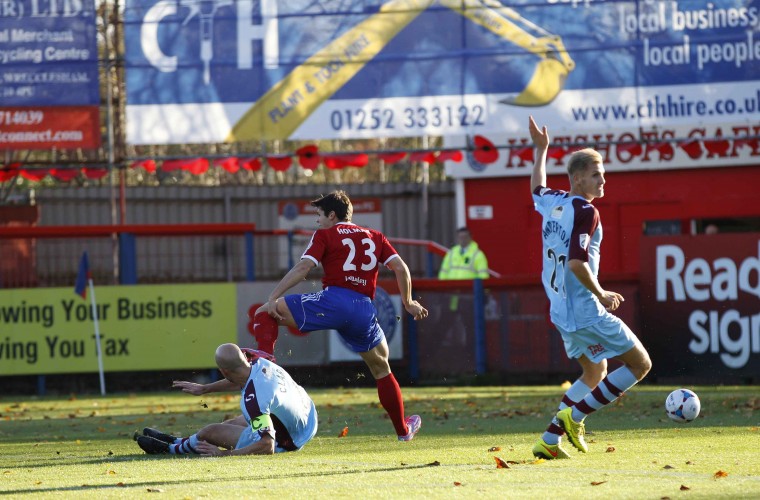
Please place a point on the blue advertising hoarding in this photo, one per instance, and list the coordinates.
(49, 92)
(223, 70)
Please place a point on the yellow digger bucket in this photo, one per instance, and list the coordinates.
(547, 82)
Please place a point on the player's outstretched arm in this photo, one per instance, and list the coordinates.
(404, 280)
(582, 271)
(223, 385)
(296, 275)
(264, 446)
(541, 141)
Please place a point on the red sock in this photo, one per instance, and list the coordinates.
(265, 330)
(390, 397)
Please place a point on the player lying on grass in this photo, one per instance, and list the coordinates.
(277, 416)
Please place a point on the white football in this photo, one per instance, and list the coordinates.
(682, 405)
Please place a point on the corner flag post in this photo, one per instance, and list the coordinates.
(84, 277)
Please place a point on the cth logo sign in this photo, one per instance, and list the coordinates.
(199, 15)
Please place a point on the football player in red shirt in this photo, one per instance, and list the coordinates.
(351, 256)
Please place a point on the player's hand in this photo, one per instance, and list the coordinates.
(272, 310)
(540, 136)
(611, 300)
(189, 387)
(416, 310)
(208, 450)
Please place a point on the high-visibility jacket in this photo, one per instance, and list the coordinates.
(464, 263)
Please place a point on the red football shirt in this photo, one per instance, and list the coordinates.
(350, 256)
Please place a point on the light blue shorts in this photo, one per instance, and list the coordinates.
(351, 313)
(605, 339)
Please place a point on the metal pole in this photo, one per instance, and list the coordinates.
(110, 139)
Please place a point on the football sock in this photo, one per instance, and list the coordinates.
(575, 393)
(612, 387)
(185, 446)
(389, 393)
(265, 330)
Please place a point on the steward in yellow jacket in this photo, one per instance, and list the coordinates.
(464, 261)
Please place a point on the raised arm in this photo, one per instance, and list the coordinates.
(404, 280)
(541, 142)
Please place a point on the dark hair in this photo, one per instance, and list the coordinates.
(463, 229)
(337, 202)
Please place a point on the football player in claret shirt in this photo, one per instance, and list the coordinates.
(277, 414)
(580, 308)
(351, 256)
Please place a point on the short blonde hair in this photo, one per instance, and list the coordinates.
(582, 159)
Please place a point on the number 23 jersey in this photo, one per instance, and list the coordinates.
(350, 256)
(571, 229)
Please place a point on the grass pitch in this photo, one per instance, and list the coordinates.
(82, 447)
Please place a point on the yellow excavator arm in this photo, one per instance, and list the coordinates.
(554, 62)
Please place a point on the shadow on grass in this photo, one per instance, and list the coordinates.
(205, 480)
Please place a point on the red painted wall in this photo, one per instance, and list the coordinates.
(511, 240)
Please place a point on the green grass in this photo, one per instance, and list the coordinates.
(82, 447)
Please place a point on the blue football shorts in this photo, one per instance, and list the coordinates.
(351, 313)
(605, 339)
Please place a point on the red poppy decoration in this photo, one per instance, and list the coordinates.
(279, 163)
(634, 148)
(425, 156)
(693, 148)
(525, 154)
(9, 172)
(391, 157)
(64, 174)
(556, 152)
(717, 147)
(195, 166)
(665, 149)
(95, 173)
(335, 162)
(198, 166)
(485, 151)
(252, 164)
(147, 165)
(308, 156)
(358, 160)
(231, 165)
(455, 156)
(34, 175)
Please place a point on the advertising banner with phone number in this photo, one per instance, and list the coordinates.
(49, 92)
(218, 70)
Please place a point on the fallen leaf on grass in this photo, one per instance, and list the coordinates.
(689, 462)
(121, 484)
(457, 483)
(684, 488)
(494, 448)
(155, 490)
(610, 449)
(435, 463)
(668, 467)
(719, 474)
(597, 483)
(343, 433)
(501, 464)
